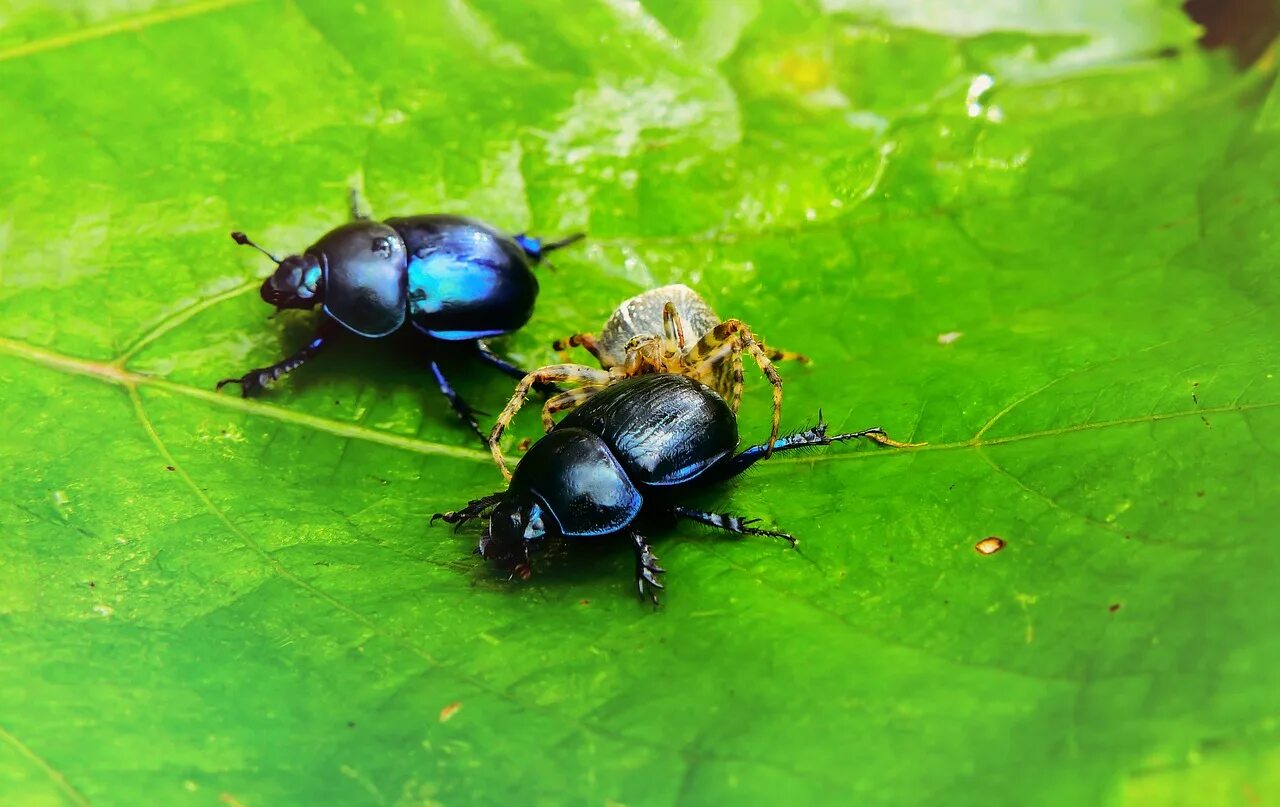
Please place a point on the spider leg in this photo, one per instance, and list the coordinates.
(552, 374)
(775, 354)
(500, 364)
(732, 337)
(566, 401)
(585, 341)
(673, 325)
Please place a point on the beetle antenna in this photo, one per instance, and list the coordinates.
(244, 241)
(563, 242)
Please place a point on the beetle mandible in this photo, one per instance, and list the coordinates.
(452, 278)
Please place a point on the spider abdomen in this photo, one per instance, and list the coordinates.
(642, 316)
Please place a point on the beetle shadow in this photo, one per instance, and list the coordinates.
(564, 566)
(400, 359)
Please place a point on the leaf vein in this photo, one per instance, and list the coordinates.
(56, 776)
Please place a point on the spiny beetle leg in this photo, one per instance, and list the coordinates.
(731, 523)
(258, 378)
(460, 406)
(647, 570)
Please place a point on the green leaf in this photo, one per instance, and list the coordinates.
(1062, 276)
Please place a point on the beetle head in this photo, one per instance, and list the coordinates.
(298, 282)
(516, 528)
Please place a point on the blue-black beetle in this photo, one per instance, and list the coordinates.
(631, 450)
(454, 279)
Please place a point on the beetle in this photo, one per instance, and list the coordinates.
(631, 451)
(454, 279)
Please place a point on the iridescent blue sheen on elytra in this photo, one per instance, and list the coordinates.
(465, 280)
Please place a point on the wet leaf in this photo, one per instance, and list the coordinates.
(1041, 237)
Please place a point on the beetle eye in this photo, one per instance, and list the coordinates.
(382, 247)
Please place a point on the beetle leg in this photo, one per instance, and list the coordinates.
(502, 365)
(809, 438)
(258, 378)
(552, 374)
(730, 523)
(460, 407)
(566, 401)
(356, 215)
(474, 509)
(731, 338)
(586, 341)
(647, 569)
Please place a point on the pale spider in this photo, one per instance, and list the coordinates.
(666, 330)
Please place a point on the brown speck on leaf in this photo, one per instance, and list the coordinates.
(1115, 606)
(447, 713)
(989, 545)
(92, 584)
(524, 444)
(170, 468)
(584, 602)
(1199, 494)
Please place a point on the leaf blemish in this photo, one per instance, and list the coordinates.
(989, 545)
(447, 713)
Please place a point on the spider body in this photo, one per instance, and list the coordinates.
(453, 279)
(633, 450)
(666, 330)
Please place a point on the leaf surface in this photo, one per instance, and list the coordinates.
(1041, 237)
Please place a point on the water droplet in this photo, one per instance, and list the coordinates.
(973, 97)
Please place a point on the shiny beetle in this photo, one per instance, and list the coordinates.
(452, 278)
(632, 449)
